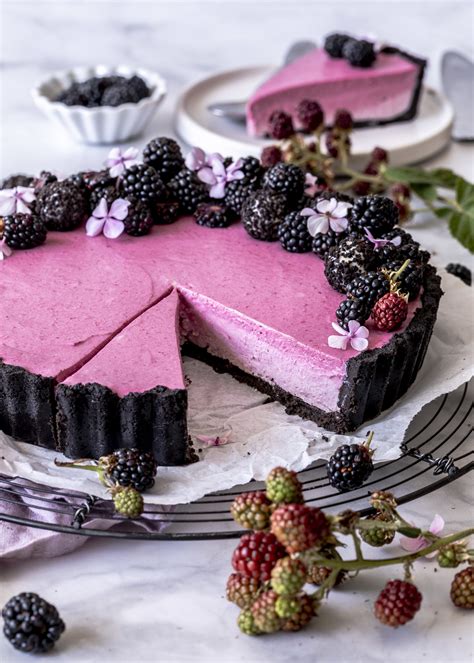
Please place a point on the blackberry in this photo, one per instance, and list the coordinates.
(142, 182)
(397, 603)
(280, 125)
(139, 220)
(334, 43)
(310, 115)
(352, 309)
(262, 213)
(343, 120)
(130, 468)
(212, 215)
(164, 155)
(270, 156)
(462, 589)
(287, 179)
(44, 178)
(377, 537)
(350, 258)
(252, 510)
(108, 191)
(31, 624)
(127, 502)
(368, 288)
(138, 85)
(377, 213)
(411, 279)
(462, 272)
(242, 590)
(62, 206)
(188, 190)
(236, 193)
(323, 242)
(23, 231)
(328, 194)
(18, 179)
(349, 467)
(293, 233)
(165, 212)
(359, 52)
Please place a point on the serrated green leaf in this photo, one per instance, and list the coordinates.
(464, 194)
(443, 177)
(461, 224)
(425, 191)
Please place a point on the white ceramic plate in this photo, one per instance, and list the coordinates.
(407, 142)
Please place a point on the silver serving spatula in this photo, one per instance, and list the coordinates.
(235, 110)
(457, 73)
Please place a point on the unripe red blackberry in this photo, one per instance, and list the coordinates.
(398, 603)
(251, 510)
(257, 554)
(242, 590)
(299, 527)
(462, 589)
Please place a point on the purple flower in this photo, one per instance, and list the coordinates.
(117, 162)
(311, 187)
(196, 159)
(378, 243)
(5, 250)
(16, 200)
(413, 545)
(216, 441)
(329, 215)
(216, 175)
(108, 221)
(356, 335)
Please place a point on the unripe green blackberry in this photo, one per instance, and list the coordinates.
(264, 612)
(287, 606)
(288, 576)
(283, 487)
(246, 623)
(251, 510)
(377, 537)
(128, 502)
(452, 556)
(307, 608)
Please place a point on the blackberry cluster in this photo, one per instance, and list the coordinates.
(131, 468)
(23, 231)
(334, 43)
(287, 179)
(324, 242)
(349, 467)
(378, 214)
(359, 52)
(139, 220)
(462, 272)
(188, 190)
(350, 258)
(411, 279)
(164, 155)
(62, 206)
(368, 288)
(105, 91)
(262, 213)
(143, 182)
(31, 624)
(293, 233)
(352, 309)
(165, 212)
(18, 179)
(212, 215)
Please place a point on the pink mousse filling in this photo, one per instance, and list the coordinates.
(382, 91)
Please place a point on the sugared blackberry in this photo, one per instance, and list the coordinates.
(377, 213)
(287, 179)
(62, 206)
(188, 190)
(359, 52)
(352, 309)
(130, 468)
(23, 231)
(262, 213)
(164, 155)
(142, 182)
(349, 467)
(236, 193)
(44, 178)
(368, 288)
(350, 258)
(293, 233)
(310, 115)
(31, 624)
(139, 220)
(19, 179)
(165, 212)
(324, 242)
(462, 272)
(334, 43)
(212, 215)
(411, 278)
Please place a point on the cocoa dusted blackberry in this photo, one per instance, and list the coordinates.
(262, 213)
(139, 220)
(130, 468)
(188, 190)
(378, 214)
(287, 179)
(31, 624)
(165, 212)
(334, 43)
(62, 206)
(324, 242)
(18, 179)
(352, 309)
(212, 215)
(142, 182)
(44, 178)
(359, 53)
(23, 231)
(165, 156)
(350, 258)
(368, 288)
(293, 233)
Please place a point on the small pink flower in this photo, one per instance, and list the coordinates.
(118, 161)
(356, 336)
(5, 250)
(413, 545)
(196, 159)
(108, 221)
(216, 175)
(329, 215)
(379, 243)
(311, 187)
(16, 200)
(216, 441)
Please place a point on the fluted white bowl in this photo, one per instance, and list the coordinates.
(102, 124)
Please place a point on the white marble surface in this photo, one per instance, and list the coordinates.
(132, 601)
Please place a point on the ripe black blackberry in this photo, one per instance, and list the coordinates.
(164, 155)
(188, 190)
(262, 213)
(119, 94)
(350, 258)
(139, 220)
(287, 179)
(462, 272)
(130, 468)
(253, 172)
(352, 309)
(142, 182)
(44, 178)
(324, 242)
(327, 194)
(108, 191)
(334, 43)
(293, 233)
(377, 213)
(18, 179)
(62, 206)
(139, 87)
(368, 288)
(236, 193)
(359, 52)
(165, 212)
(350, 466)
(411, 278)
(23, 231)
(212, 215)
(31, 624)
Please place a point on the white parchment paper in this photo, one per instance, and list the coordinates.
(262, 435)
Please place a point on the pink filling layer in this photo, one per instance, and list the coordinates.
(379, 92)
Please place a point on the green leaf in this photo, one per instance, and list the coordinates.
(425, 191)
(443, 177)
(461, 223)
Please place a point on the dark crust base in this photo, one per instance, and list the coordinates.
(375, 379)
(92, 421)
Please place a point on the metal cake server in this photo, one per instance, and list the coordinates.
(457, 73)
(235, 110)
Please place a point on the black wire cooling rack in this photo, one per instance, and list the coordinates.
(437, 450)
